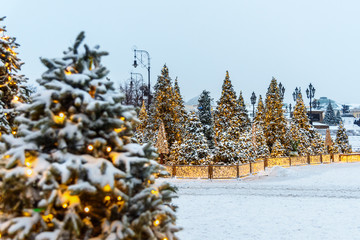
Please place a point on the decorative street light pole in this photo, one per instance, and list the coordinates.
(140, 57)
(310, 93)
(290, 109)
(296, 94)
(142, 82)
(253, 101)
(281, 91)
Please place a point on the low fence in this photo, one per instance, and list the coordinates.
(246, 169)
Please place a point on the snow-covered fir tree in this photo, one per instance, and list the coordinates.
(193, 149)
(12, 85)
(164, 108)
(244, 121)
(330, 117)
(299, 140)
(226, 114)
(247, 152)
(72, 172)
(180, 112)
(328, 142)
(278, 149)
(275, 122)
(338, 117)
(342, 140)
(161, 144)
(260, 113)
(261, 148)
(205, 116)
(141, 134)
(316, 142)
(227, 149)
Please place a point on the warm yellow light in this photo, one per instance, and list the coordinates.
(86, 209)
(156, 222)
(48, 218)
(108, 149)
(65, 205)
(154, 192)
(61, 115)
(5, 114)
(27, 163)
(107, 188)
(90, 147)
(16, 98)
(107, 198)
(13, 132)
(165, 238)
(67, 71)
(29, 172)
(119, 198)
(122, 118)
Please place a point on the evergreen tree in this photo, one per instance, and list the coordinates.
(180, 112)
(316, 141)
(161, 143)
(165, 108)
(227, 150)
(193, 149)
(330, 117)
(300, 114)
(338, 117)
(141, 129)
(247, 151)
(244, 121)
(262, 150)
(205, 116)
(12, 88)
(275, 123)
(278, 149)
(73, 173)
(342, 140)
(299, 141)
(226, 115)
(260, 113)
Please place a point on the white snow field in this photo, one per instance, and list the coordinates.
(298, 203)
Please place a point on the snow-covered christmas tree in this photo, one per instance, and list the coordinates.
(278, 149)
(244, 121)
(193, 149)
(161, 144)
(72, 172)
(12, 88)
(260, 113)
(205, 116)
(141, 133)
(342, 140)
(275, 123)
(330, 117)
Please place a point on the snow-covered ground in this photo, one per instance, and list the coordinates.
(308, 202)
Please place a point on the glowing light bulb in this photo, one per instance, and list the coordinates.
(13, 132)
(119, 198)
(108, 149)
(29, 172)
(86, 209)
(122, 118)
(156, 222)
(107, 188)
(65, 205)
(28, 164)
(61, 115)
(107, 198)
(154, 192)
(16, 98)
(90, 147)
(165, 238)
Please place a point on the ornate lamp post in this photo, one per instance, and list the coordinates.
(310, 93)
(281, 91)
(141, 57)
(296, 94)
(290, 109)
(253, 101)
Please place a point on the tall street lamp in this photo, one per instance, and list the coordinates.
(253, 101)
(310, 93)
(296, 94)
(281, 91)
(140, 55)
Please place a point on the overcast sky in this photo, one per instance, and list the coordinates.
(297, 42)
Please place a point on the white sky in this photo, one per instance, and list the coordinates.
(297, 42)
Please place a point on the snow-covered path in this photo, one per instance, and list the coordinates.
(309, 202)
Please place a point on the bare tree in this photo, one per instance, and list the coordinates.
(135, 92)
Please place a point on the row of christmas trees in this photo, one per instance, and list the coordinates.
(68, 167)
(226, 135)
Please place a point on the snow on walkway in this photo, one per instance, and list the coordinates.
(308, 202)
